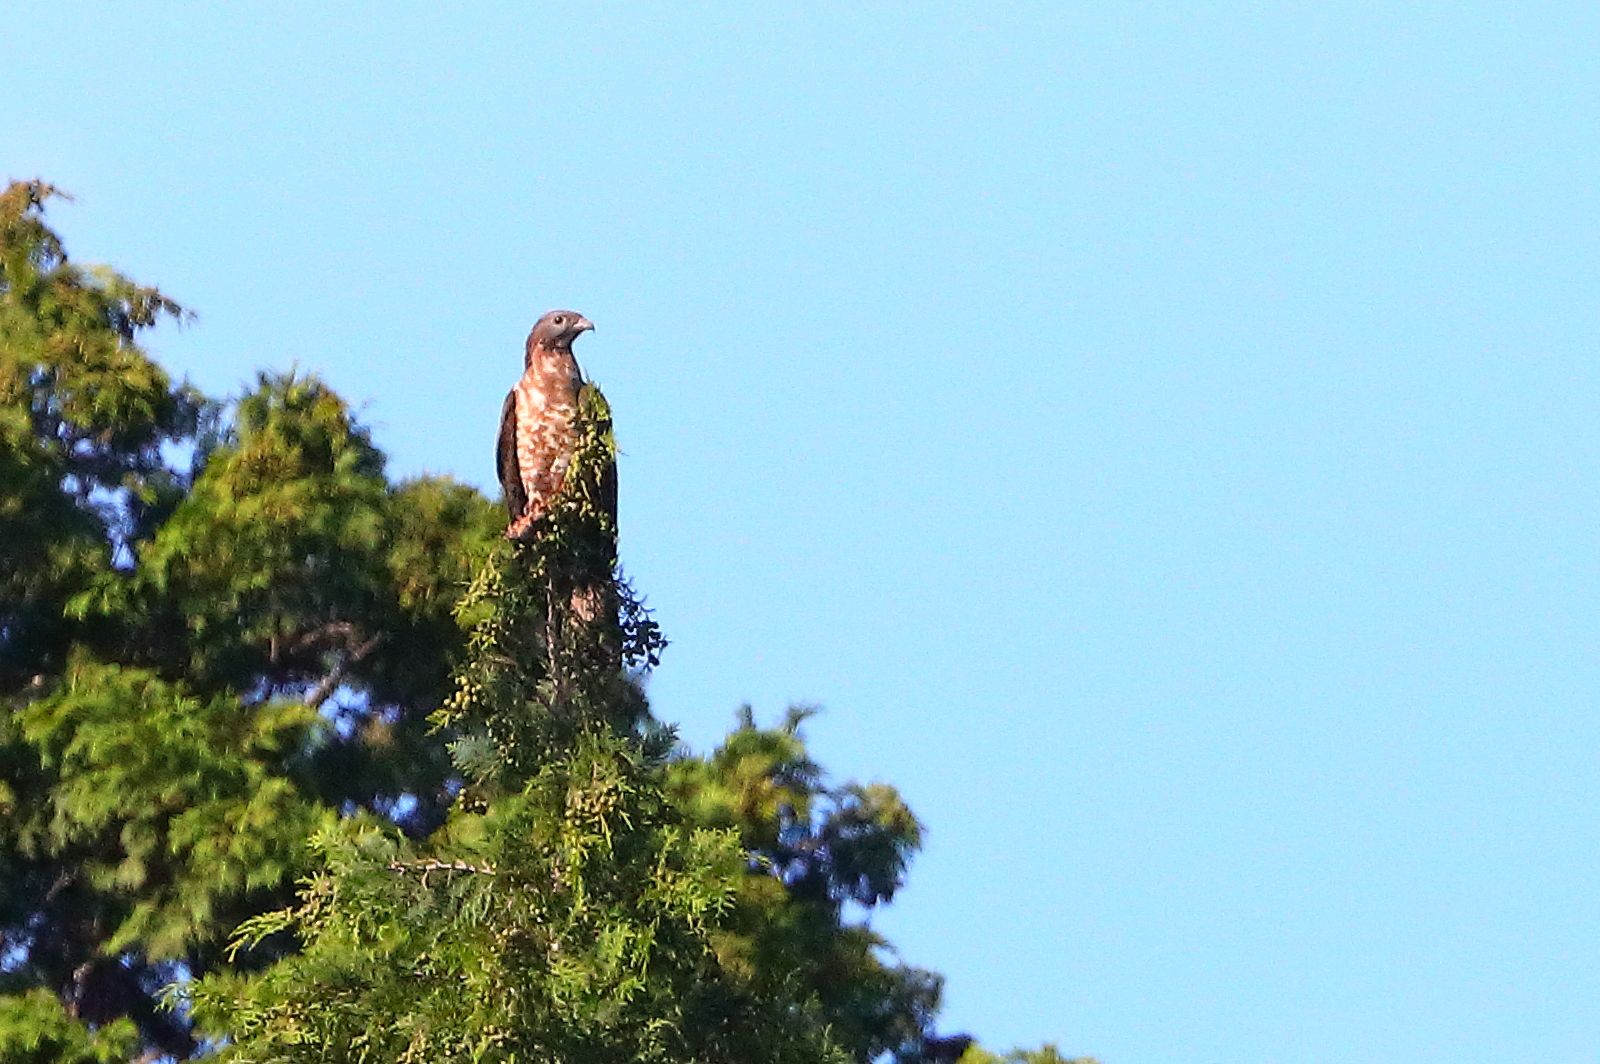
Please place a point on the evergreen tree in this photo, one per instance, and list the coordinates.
(811, 851)
(251, 684)
(169, 634)
(566, 910)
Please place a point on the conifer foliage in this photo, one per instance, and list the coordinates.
(566, 910)
(298, 762)
(213, 639)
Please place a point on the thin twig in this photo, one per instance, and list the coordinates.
(429, 864)
(330, 683)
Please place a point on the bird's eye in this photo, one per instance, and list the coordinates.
(560, 320)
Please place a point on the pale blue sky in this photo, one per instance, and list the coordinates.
(1164, 440)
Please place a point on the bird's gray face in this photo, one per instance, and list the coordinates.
(557, 329)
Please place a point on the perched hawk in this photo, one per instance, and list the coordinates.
(538, 424)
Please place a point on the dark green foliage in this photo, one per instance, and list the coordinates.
(186, 785)
(275, 556)
(35, 1029)
(168, 635)
(810, 850)
(319, 761)
(163, 822)
(568, 922)
(566, 910)
(83, 415)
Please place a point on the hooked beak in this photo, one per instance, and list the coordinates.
(584, 325)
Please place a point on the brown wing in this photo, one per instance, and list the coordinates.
(506, 456)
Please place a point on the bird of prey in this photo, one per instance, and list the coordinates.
(538, 424)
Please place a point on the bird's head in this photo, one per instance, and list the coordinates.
(557, 329)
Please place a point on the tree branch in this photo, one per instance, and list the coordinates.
(429, 864)
(330, 683)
